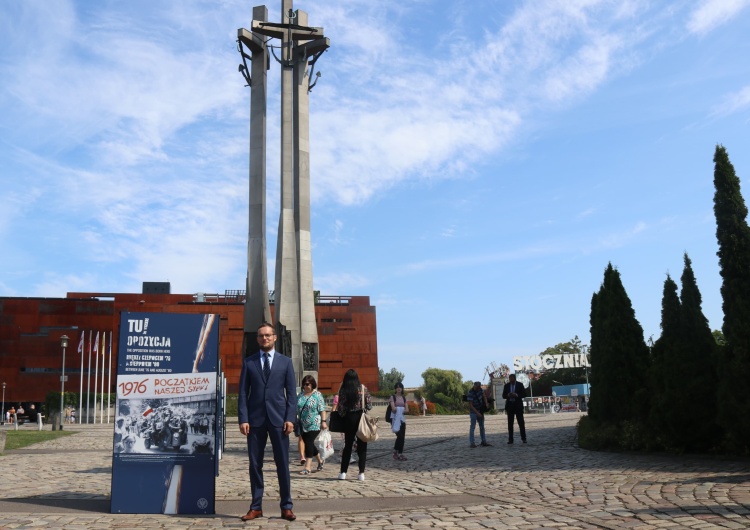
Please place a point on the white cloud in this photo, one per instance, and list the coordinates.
(141, 122)
(337, 233)
(710, 14)
(406, 116)
(733, 103)
(343, 283)
(586, 213)
(58, 285)
(448, 232)
(583, 72)
(620, 239)
(115, 85)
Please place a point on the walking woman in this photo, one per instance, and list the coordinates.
(398, 423)
(352, 396)
(311, 410)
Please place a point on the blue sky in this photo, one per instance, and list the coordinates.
(475, 164)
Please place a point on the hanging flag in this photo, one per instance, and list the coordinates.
(96, 343)
(80, 342)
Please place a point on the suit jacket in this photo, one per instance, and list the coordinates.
(273, 401)
(516, 405)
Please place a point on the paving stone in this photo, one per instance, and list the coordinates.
(548, 483)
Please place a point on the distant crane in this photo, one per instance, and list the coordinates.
(497, 372)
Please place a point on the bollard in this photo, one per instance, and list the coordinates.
(15, 422)
(39, 422)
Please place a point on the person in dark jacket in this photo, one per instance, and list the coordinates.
(354, 399)
(513, 394)
(267, 409)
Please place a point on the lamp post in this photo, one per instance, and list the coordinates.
(64, 344)
(586, 365)
(3, 409)
(588, 391)
(524, 379)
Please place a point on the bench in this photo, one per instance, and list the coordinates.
(26, 418)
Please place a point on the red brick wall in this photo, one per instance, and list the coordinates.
(30, 331)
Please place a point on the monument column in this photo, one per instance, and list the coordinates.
(294, 304)
(308, 324)
(286, 304)
(257, 307)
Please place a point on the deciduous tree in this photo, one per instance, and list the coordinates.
(443, 386)
(567, 376)
(387, 381)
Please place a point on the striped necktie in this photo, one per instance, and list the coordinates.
(266, 367)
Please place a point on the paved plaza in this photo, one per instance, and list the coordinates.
(547, 483)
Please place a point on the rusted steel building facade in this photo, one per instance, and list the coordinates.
(31, 328)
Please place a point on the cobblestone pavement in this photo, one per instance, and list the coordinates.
(548, 482)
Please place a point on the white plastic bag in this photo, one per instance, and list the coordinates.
(324, 444)
(397, 418)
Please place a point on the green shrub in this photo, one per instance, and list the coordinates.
(622, 436)
(450, 411)
(24, 438)
(382, 394)
(232, 407)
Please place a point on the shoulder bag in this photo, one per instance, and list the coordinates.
(368, 426)
(335, 420)
(388, 411)
(298, 421)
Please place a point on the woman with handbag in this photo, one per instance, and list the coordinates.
(397, 403)
(354, 400)
(311, 416)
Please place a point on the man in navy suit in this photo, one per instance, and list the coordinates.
(268, 408)
(513, 394)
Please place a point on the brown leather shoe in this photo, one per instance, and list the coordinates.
(288, 515)
(252, 514)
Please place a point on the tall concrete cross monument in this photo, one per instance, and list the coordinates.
(294, 303)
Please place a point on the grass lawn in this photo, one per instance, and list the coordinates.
(20, 439)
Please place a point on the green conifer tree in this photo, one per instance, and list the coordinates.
(695, 425)
(619, 356)
(733, 236)
(684, 411)
(663, 353)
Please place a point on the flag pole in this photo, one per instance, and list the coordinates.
(88, 383)
(96, 372)
(104, 354)
(109, 374)
(81, 347)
